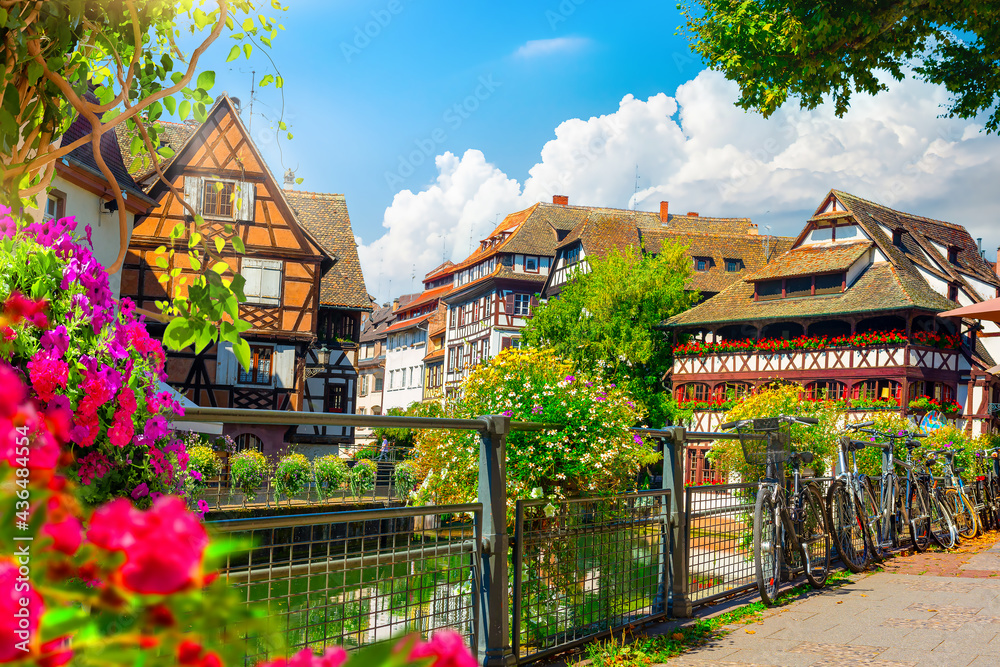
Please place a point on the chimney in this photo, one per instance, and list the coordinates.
(289, 179)
(561, 200)
(664, 207)
(693, 214)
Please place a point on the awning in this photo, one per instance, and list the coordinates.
(987, 310)
(211, 428)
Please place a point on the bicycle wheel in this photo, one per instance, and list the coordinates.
(767, 547)
(899, 520)
(920, 518)
(814, 537)
(942, 526)
(845, 526)
(965, 520)
(970, 509)
(994, 487)
(874, 521)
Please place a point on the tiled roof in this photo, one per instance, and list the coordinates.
(440, 271)
(436, 355)
(402, 325)
(880, 288)
(815, 258)
(325, 217)
(114, 156)
(377, 323)
(753, 251)
(174, 135)
(426, 297)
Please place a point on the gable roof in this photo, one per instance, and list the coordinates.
(893, 285)
(174, 135)
(325, 216)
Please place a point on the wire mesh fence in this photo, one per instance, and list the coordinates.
(354, 578)
(586, 566)
(719, 519)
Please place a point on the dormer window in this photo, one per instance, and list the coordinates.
(734, 265)
(897, 238)
(800, 286)
(953, 292)
(953, 254)
(702, 263)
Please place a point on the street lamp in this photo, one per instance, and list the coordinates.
(323, 356)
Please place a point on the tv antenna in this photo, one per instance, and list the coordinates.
(635, 194)
(253, 76)
(767, 243)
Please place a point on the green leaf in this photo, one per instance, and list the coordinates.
(219, 244)
(266, 80)
(247, 50)
(238, 245)
(178, 334)
(234, 53)
(298, 181)
(207, 79)
(185, 109)
(242, 351)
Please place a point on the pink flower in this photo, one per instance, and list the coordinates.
(47, 375)
(66, 534)
(56, 341)
(163, 546)
(18, 622)
(334, 656)
(140, 491)
(202, 508)
(448, 649)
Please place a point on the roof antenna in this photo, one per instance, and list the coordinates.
(767, 243)
(634, 194)
(253, 75)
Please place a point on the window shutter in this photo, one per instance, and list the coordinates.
(533, 304)
(270, 284)
(192, 192)
(225, 365)
(246, 193)
(251, 272)
(284, 366)
(508, 304)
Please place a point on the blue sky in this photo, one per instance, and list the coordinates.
(437, 118)
(353, 115)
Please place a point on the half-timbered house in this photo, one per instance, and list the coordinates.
(220, 173)
(371, 365)
(870, 281)
(407, 346)
(331, 375)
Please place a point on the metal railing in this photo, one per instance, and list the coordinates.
(585, 567)
(355, 578)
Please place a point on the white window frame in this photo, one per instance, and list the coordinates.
(522, 305)
(264, 278)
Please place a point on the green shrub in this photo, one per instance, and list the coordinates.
(366, 453)
(291, 475)
(405, 478)
(248, 471)
(362, 477)
(205, 461)
(331, 472)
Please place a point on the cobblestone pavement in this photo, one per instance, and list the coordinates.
(928, 609)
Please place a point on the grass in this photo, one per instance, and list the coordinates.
(643, 651)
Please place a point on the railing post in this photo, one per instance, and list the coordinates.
(494, 617)
(673, 480)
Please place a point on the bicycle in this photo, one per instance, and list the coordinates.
(893, 502)
(851, 507)
(963, 511)
(942, 527)
(987, 463)
(917, 503)
(786, 520)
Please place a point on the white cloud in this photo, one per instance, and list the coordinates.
(543, 47)
(701, 153)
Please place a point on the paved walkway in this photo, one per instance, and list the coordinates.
(928, 609)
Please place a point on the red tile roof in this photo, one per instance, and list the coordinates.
(815, 258)
(407, 324)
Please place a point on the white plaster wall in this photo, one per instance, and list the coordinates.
(936, 284)
(984, 289)
(403, 359)
(858, 268)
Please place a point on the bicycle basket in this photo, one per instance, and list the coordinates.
(760, 452)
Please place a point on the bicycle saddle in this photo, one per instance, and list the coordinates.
(805, 457)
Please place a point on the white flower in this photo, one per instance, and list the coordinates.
(536, 492)
(550, 510)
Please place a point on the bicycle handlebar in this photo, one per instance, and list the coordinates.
(788, 419)
(860, 425)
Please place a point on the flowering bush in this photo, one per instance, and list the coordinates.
(291, 475)
(926, 404)
(590, 450)
(221, 443)
(248, 471)
(405, 478)
(862, 403)
(331, 472)
(97, 364)
(362, 477)
(203, 463)
(868, 339)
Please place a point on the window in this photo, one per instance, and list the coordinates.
(769, 289)
(953, 255)
(831, 283)
(531, 265)
(702, 263)
(336, 398)
(877, 390)
(248, 441)
(826, 390)
(263, 280)
(897, 238)
(55, 205)
(364, 385)
(731, 391)
(798, 286)
(379, 382)
(700, 469)
(573, 255)
(260, 366)
(734, 265)
(953, 292)
(218, 199)
(695, 391)
(522, 302)
(544, 263)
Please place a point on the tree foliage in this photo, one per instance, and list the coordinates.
(116, 63)
(776, 50)
(605, 320)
